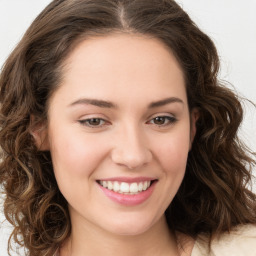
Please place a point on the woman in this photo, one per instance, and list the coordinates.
(117, 136)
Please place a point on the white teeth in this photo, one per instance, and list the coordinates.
(134, 188)
(140, 188)
(124, 187)
(145, 185)
(110, 185)
(116, 186)
(104, 184)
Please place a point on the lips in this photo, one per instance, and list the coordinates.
(127, 191)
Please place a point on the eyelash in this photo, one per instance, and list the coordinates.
(86, 122)
(168, 120)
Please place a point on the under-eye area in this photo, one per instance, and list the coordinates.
(126, 187)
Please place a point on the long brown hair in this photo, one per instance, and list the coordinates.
(214, 195)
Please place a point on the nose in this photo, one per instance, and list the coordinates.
(130, 149)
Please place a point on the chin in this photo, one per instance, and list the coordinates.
(130, 227)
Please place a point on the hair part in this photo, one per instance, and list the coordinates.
(213, 196)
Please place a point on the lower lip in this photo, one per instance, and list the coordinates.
(128, 200)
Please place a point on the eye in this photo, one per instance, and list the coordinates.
(163, 120)
(93, 122)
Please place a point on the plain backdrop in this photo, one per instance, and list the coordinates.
(230, 23)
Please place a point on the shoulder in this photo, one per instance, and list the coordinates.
(241, 241)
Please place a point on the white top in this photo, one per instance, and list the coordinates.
(240, 242)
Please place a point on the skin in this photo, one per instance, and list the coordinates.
(135, 75)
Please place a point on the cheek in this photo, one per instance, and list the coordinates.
(75, 154)
(75, 158)
(172, 153)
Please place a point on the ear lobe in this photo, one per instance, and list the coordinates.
(194, 116)
(40, 135)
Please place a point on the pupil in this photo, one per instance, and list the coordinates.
(94, 121)
(159, 120)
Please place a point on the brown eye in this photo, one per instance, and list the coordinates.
(93, 122)
(160, 120)
(163, 120)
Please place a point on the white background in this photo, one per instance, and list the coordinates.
(230, 23)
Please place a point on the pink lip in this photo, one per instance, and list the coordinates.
(128, 200)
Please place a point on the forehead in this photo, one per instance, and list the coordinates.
(132, 48)
(123, 64)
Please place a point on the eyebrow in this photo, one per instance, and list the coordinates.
(94, 102)
(107, 104)
(166, 101)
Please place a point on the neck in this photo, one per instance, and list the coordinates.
(90, 240)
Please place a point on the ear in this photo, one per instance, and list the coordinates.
(194, 116)
(40, 134)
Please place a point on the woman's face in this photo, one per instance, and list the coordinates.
(119, 133)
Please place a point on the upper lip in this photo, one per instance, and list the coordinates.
(128, 179)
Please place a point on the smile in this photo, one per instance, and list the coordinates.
(128, 191)
(124, 187)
